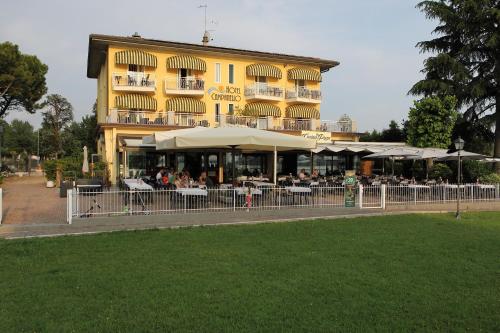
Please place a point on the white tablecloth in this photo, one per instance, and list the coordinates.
(258, 183)
(418, 186)
(244, 191)
(192, 191)
(298, 189)
(137, 184)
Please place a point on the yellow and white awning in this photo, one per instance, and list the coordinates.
(304, 73)
(186, 105)
(262, 110)
(135, 57)
(135, 102)
(264, 70)
(302, 111)
(187, 61)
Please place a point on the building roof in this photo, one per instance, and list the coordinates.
(98, 45)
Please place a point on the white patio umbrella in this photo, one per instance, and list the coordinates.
(85, 166)
(464, 155)
(490, 160)
(393, 153)
(231, 138)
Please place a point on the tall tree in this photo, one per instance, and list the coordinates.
(466, 58)
(57, 117)
(22, 80)
(431, 122)
(392, 134)
(20, 137)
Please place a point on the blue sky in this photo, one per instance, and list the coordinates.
(373, 40)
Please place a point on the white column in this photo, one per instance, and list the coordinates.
(382, 195)
(69, 206)
(222, 120)
(270, 122)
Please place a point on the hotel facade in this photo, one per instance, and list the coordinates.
(145, 86)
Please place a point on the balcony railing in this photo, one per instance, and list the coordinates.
(157, 118)
(338, 126)
(292, 124)
(245, 121)
(264, 91)
(304, 94)
(183, 85)
(191, 120)
(134, 81)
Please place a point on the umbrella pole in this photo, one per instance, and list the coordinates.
(383, 166)
(275, 162)
(233, 171)
(392, 165)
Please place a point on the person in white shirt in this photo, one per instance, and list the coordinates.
(159, 175)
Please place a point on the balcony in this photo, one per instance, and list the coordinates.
(133, 81)
(263, 91)
(147, 118)
(187, 86)
(303, 95)
(293, 124)
(245, 121)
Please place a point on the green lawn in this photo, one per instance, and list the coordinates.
(398, 273)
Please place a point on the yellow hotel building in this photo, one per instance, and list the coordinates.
(146, 85)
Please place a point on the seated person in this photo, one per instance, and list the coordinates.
(302, 174)
(315, 174)
(159, 175)
(164, 179)
(181, 181)
(205, 180)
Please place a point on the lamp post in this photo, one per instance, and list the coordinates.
(459, 145)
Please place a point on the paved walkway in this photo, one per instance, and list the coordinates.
(26, 200)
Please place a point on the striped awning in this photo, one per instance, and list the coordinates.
(264, 70)
(135, 57)
(135, 102)
(186, 105)
(187, 61)
(261, 110)
(304, 73)
(302, 111)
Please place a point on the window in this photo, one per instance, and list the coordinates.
(230, 108)
(231, 73)
(261, 79)
(135, 68)
(300, 84)
(217, 73)
(217, 112)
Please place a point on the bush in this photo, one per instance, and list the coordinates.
(474, 170)
(50, 167)
(492, 178)
(440, 170)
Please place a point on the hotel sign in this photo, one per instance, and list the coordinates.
(320, 137)
(227, 93)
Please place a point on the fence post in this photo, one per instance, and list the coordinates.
(415, 195)
(69, 206)
(360, 195)
(382, 196)
(279, 198)
(1, 205)
(234, 200)
(130, 202)
(497, 191)
(472, 187)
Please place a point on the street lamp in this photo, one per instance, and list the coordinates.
(459, 145)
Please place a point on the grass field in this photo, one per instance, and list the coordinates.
(397, 273)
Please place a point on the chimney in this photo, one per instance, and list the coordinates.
(206, 38)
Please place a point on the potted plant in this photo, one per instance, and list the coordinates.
(50, 167)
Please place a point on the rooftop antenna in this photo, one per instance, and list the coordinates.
(206, 35)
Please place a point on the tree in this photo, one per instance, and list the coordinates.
(431, 122)
(20, 137)
(22, 80)
(466, 58)
(57, 116)
(393, 134)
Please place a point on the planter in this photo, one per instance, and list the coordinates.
(50, 183)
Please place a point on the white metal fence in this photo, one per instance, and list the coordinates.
(90, 203)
